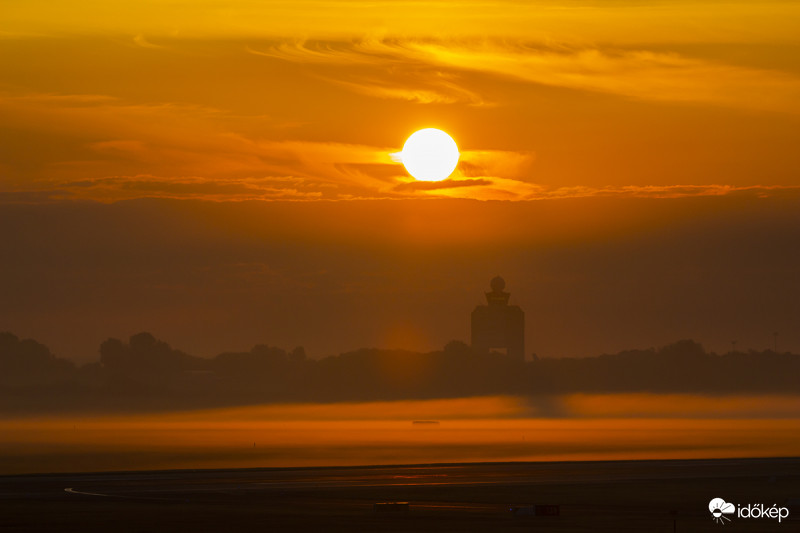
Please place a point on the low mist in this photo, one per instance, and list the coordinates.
(498, 428)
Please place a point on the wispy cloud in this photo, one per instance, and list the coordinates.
(304, 51)
(450, 183)
(641, 74)
(142, 41)
(367, 68)
(128, 150)
(168, 139)
(436, 90)
(116, 188)
(664, 191)
(57, 99)
(634, 73)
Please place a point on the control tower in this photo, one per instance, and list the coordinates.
(499, 325)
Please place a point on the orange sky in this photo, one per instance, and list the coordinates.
(641, 159)
(230, 100)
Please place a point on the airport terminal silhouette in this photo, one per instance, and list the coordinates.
(499, 325)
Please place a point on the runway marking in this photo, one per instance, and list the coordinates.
(322, 483)
(73, 491)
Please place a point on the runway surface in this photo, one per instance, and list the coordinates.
(591, 496)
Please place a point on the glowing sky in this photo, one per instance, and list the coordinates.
(649, 150)
(306, 100)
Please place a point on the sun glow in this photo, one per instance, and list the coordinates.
(430, 155)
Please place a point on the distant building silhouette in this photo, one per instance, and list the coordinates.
(499, 325)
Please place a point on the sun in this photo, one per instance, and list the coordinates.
(430, 155)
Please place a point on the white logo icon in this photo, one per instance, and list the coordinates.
(719, 508)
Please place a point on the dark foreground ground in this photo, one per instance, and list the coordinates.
(641, 496)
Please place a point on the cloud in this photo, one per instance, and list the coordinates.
(140, 40)
(52, 99)
(170, 139)
(494, 188)
(437, 92)
(664, 191)
(516, 165)
(638, 73)
(117, 188)
(31, 197)
(365, 68)
(303, 51)
(117, 149)
(444, 184)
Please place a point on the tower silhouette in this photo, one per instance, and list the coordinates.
(499, 325)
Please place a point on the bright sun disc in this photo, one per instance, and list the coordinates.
(430, 155)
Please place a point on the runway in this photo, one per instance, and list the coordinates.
(591, 496)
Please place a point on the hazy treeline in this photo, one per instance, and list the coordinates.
(147, 373)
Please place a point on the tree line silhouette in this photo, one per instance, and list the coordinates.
(146, 373)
